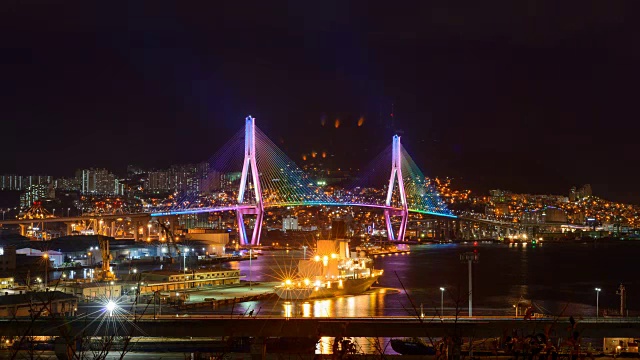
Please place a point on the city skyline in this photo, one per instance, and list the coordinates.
(522, 102)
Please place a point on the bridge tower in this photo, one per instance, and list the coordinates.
(396, 173)
(250, 164)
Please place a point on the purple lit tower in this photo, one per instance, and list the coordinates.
(250, 162)
(396, 172)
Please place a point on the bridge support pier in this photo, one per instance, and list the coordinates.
(136, 231)
(257, 227)
(23, 229)
(69, 226)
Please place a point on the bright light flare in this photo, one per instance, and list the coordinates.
(110, 307)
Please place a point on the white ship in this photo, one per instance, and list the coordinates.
(332, 271)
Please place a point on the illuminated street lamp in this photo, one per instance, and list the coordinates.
(597, 302)
(250, 255)
(470, 258)
(46, 269)
(442, 301)
(110, 307)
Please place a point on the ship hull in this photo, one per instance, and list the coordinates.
(350, 287)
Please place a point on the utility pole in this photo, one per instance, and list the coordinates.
(470, 258)
(622, 292)
(597, 302)
(46, 270)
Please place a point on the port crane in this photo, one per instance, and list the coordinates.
(104, 273)
(171, 240)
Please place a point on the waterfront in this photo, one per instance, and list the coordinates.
(555, 277)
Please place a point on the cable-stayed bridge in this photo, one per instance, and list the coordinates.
(268, 178)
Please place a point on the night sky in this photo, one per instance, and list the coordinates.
(529, 96)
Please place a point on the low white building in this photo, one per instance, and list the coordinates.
(55, 257)
(91, 290)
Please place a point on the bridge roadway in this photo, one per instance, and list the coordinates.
(277, 326)
(197, 210)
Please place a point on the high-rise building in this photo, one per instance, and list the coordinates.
(189, 178)
(158, 181)
(67, 184)
(36, 180)
(290, 223)
(228, 180)
(33, 193)
(579, 194)
(11, 182)
(134, 170)
(17, 182)
(98, 182)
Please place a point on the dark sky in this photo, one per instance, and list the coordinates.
(528, 96)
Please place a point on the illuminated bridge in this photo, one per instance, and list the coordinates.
(270, 179)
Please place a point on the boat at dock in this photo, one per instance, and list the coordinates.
(412, 346)
(332, 271)
(374, 249)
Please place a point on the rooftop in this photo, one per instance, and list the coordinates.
(34, 297)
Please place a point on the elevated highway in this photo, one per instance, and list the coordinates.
(76, 218)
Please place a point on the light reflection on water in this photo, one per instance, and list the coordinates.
(558, 277)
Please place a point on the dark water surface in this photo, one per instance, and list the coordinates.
(557, 278)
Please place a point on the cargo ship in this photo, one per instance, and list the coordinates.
(332, 271)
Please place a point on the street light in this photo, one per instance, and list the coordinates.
(184, 260)
(250, 256)
(184, 267)
(304, 252)
(110, 307)
(46, 269)
(597, 302)
(441, 301)
(470, 257)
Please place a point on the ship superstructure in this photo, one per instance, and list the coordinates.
(332, 271)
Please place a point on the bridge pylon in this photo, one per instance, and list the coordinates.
(396, 173)
(250, 164)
